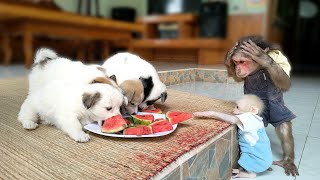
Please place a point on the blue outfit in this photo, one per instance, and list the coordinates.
(261, 85)
(255, 148)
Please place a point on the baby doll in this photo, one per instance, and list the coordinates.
(256, 155)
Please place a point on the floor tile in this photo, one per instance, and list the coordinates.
(310, 166)
(13, 71)
(315, 130)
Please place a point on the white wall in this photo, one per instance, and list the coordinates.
(106, 5)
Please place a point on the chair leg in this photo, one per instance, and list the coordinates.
(91, 51)
(7, 50)
(105, 50)
(81, 50)
(27, 49)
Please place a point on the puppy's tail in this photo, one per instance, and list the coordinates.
(44, 54)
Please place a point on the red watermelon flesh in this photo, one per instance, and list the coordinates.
(161, 126)
(156, 111)
(158, 119)
(114, 124)
(142, 130)
(175, 117)
(144, 119)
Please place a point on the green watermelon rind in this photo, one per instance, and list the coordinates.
(140, 121)
(121, 128)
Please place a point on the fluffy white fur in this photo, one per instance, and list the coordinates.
(61, 93)
(128, 66)
(49, 67)
(60, 103)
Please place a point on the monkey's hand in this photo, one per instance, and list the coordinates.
(257, 54)
(289, 167)
(277, 74)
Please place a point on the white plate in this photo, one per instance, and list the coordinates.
(95, 128)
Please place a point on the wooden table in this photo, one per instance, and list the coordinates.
(31, 21)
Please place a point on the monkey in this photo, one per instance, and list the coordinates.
(255, 148)
(266, 73)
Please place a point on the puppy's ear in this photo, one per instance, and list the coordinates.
(147, 86)
(128, 93)
(101, 69)
(114, 78)
(125, 101)
(90, 100)
(104, 80)
(100, 80)
(163, 96)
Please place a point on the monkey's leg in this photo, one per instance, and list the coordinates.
(284, 132)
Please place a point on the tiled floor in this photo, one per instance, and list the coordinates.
(302, 99)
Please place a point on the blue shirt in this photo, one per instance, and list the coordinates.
(255, 148)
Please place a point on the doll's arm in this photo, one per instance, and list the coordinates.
(220, 116)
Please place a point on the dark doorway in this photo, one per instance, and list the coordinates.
(300, 22)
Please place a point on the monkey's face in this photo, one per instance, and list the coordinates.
(244, 66)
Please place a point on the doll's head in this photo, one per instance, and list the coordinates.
(249, 103)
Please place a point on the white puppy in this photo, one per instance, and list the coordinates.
(48, 67)
(126, 66)
(69, 106)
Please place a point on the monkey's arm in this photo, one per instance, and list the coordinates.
(277, 74)
(220, 116)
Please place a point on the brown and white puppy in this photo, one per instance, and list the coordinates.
(68, 94)
(70, 106)
(133, 91)
(127, 66)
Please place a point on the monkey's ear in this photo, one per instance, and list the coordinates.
(254, 110)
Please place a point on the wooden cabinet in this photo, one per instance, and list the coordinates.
(188, 46)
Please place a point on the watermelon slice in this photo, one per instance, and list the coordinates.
(161, 126)
(175, 117)
(144, 119)
(114, 124)
(156, 111)
(158, 119)
(142, 130)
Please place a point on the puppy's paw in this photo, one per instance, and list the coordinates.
(29, 125)
(81, 137)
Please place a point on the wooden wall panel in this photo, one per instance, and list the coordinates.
(209, 50)
(175, 55)
(244, 25)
